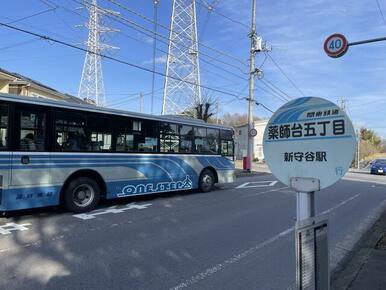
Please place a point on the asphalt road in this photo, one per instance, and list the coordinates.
(232, 238)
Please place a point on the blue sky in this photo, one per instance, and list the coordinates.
(295, 30)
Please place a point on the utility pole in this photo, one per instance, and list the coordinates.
(155, 8)
(252, 73)
(358, 146)
(217, 110)
(141, 102)
(343, 104)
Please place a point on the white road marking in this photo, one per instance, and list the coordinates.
(8, 228)
(263, 192)
(339, 204)
(113, 209)
(253, 184)
(381, 182)
(221, 266)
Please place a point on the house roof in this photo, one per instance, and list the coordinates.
(19, 77)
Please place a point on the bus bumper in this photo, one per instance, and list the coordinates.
(226, 176)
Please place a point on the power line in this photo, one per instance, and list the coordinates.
(380, 11)
(224, 16)
(271, 92)
(32, 15)
(19, 43)
(168, 29)
(210, 9)
(131, 95)
(276, 89)
(285, 75)
(133, 25)
(265, 107)
(155, 8)
(44, 37)
(35, 27)
(166, 53)
(164, 42)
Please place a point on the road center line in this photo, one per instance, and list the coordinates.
(221, 266)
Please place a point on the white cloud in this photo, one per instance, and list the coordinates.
(158, 60)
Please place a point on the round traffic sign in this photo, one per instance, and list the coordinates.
(309, 137)
(253, 132)
(336, 45)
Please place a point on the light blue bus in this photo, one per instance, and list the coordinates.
(58, 153)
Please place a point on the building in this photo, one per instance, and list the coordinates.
(17, 84)
(241, 140)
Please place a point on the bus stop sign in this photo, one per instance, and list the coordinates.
(336, 45)
(309, 137)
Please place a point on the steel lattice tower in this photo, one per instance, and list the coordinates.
(91, 86)
(182, 87)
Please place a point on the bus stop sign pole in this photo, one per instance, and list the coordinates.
(312, 263)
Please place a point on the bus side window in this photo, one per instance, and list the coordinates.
(70, 131)
(32, 130)
(99, 133)
(227, 143)
(186, 142)
(169, 138)
(3, 127)
(212, 137)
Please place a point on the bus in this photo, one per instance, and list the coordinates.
(58, 153)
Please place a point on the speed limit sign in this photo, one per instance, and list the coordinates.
(336, 45)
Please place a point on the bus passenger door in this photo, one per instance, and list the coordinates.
(31, 162)
(5, 154)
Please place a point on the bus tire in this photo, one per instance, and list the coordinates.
(206, 181)
(82, 194)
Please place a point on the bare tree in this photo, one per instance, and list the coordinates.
(204, 110)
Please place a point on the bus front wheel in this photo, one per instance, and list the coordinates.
(206, 182)
(81, 195)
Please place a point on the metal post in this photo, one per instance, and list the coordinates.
(217, 108)
(305, 205)
(358, 147)
(141, 102)
(305, 196)
(251, 85)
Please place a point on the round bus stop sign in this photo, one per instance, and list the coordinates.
(309, 138)
(336, 45)
(253, 132)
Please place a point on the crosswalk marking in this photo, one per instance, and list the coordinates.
(113, 209)
(253, 184)
(8, 228)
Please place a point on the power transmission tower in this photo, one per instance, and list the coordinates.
(182, 92)
(91, 88)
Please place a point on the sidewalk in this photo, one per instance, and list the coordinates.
(366, 267)
(257, 169)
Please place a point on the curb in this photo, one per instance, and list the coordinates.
(242, 173)
(348, 269)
